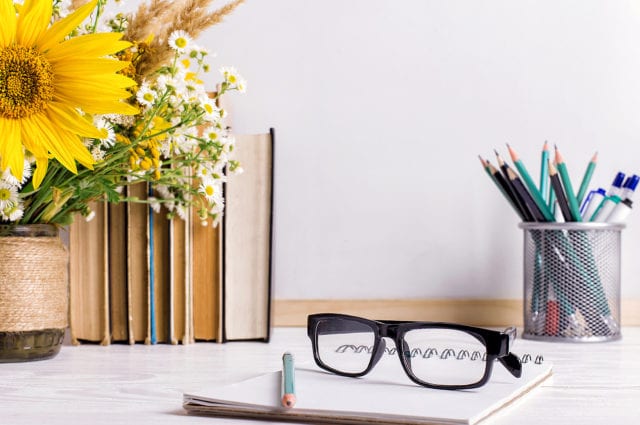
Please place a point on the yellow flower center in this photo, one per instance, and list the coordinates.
(5, 194)
(208, 190)
(181, 42)
(26, 82)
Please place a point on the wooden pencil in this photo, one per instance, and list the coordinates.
(559, 192)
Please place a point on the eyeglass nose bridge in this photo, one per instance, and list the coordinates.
(386, 330)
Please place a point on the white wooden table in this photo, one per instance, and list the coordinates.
(593, 383)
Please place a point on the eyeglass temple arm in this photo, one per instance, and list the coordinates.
(509, 360)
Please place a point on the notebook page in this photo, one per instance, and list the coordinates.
(385, 393)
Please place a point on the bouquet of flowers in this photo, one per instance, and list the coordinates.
(92, 102)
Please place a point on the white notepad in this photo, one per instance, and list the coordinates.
(385, 395)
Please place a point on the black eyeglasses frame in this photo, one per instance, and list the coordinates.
(496, 344)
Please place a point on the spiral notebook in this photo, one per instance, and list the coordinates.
(384, 396)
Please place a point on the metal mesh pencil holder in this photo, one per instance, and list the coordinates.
(572, 281)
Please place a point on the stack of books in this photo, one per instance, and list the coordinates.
(137, 277)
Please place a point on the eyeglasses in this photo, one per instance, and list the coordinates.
(435, 355)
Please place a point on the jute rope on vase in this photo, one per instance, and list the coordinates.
(34, 291)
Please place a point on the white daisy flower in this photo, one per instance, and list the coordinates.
(97, 153)
(13, 212)
(210, 189)
(106, 128)
(8, 195)
(204, 172)
(214, 134)
(12, 180)
(181, 210)
(211, 110)
(242, 85)
(154, 204)
(146, 96)
(179, 40)
(230, 74)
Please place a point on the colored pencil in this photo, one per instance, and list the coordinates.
(533, 189)
(544, 173)
(586, 178)
(568, 188)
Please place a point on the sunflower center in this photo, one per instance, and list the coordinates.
(26, 82)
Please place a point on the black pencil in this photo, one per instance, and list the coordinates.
(526, 210)
(525, 195)
(559, 191)
(500, 182)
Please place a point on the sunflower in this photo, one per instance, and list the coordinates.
(46, 79)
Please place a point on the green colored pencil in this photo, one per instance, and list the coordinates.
(587, 178)
(533, 189)
(568, 189)
(544, 173)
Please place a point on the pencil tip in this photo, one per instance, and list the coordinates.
(559, 158)
(595, 157)
(482, 161)
(545, 147)
(512, 153)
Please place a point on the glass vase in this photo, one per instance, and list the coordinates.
(34, 292)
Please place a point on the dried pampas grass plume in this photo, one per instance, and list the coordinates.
(160, 18)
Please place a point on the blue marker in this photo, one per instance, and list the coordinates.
(616, 186)
(629, 187)
(591, 203)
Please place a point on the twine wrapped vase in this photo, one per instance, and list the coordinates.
(34, 295)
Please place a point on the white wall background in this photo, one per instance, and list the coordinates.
(381, 108)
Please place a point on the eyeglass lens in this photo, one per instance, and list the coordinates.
(345, 345)
(436, 356)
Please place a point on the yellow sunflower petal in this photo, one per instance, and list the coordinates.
(8, 19)
(42, 163)
(11, 147)
(33, 20)
(89, 82)
(71, 120)
(70, 128)
(97, 106)
(49, 138)
(89, 66)
(94, 45)
(59, 30)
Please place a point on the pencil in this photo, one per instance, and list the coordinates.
(288, 391)
(568, 189)
(500, 182)
(533, 189)
(526, 209)
(557, 189)
(544, 173)
(522, 192)
(586, 178)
